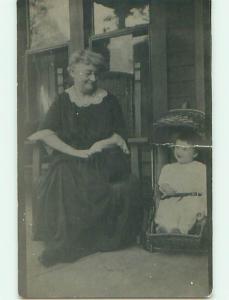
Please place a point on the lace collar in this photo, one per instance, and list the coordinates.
(87, 100)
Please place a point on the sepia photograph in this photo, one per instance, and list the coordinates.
(114, 118)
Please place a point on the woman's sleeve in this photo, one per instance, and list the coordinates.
(119, 126)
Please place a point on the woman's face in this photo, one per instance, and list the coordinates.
(85, 77)
(184, 152)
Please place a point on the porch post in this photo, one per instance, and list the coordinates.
(158, 65)
(199, 55)
(76, 25)
(158, 57)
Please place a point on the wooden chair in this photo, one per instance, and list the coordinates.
(121, 85)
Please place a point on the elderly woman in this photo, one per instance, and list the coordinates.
(90, 201)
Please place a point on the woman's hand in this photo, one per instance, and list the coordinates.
(121, 143)
(110, 142)
(97, 147)
(82, 153)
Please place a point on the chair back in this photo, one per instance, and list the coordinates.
(121, 85)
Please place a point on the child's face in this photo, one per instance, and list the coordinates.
(184, 152)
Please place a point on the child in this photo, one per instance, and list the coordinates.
(177, 213)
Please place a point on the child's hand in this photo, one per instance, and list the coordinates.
(166, 189)
(200, 216)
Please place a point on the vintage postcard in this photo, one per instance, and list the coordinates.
(114, 148)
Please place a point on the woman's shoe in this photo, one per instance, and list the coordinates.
(49, 258)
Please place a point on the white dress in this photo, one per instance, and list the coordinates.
(177, 212)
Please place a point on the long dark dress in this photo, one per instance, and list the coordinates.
(87, 204)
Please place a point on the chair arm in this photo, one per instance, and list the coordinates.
(138, 140)
(36, 160)
(36, 170)
(135, 144)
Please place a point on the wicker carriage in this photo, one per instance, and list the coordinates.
(164, 131)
